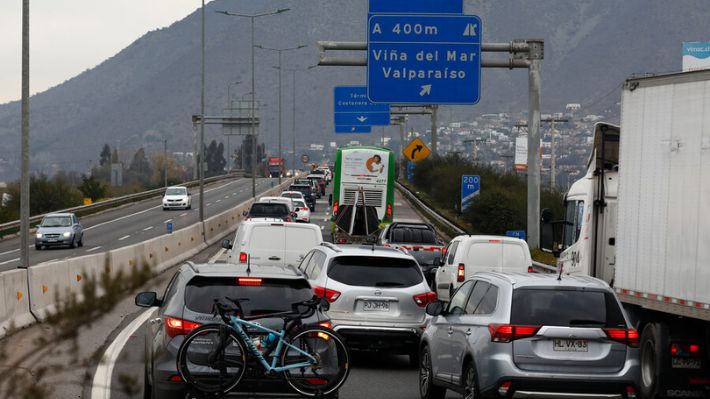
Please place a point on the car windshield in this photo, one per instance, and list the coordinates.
(268, 210)
(291, 195)
(273, 295)
(425, 258)
(565, 307)
(176, 191)
(56, 221)
(375, 271)
(299, 204)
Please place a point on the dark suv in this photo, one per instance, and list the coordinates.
(419, 240)
(268, 211)
(307, 191)
(187, 304)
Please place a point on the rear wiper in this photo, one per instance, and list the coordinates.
(388, 284)
(579, 322)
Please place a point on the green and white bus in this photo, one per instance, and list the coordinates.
(368, 172)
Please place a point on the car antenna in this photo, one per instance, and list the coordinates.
(248, 264)
(559, 276)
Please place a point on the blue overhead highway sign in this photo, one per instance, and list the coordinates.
(352, 108)
(470, 188)
(353, 129)
(424, 59)
(416, 7)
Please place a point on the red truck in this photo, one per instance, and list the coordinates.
(277, 167)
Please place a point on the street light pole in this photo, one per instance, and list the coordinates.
(293, 110)
(252, 17)
(201, 160)
(165, 160)
(279, 51)
(25, 179)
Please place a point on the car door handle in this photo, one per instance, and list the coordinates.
(450, 330)
(469, 332)
(274, 258)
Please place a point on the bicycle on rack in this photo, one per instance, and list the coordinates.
(313, 359)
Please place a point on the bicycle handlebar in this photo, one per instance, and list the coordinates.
(225, 311)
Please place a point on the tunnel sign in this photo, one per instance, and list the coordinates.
(424, 59)
(352, 108)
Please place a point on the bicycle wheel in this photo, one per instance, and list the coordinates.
(209, 363)
(331, 366)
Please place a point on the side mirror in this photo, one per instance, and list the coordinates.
(245, 213)
(226, 244)
(330, 200)
(324, 305)
(147, 299)
(189, 194)
(435, 308)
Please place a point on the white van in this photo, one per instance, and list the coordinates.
(467, 255)
(272, 243)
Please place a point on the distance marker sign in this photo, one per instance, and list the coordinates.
(424, 59)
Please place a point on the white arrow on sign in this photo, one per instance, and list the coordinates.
(362, 119)
(352, 129)
(470, 30)
(426, 90)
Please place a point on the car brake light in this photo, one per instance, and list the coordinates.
(504, 387)
(326, 324)
(330, 295)
(693, 349)
(175, 326)
(335, 208)
(509, 333)
(243, 257)
(630, 392)
(461, 273)
(530, 269)
(629, 336)
(176, 378)
(389, 211)
(495, 241)
(423, 299)
(685, 350)
(249, 281)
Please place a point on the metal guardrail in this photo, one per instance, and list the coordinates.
(433, 215)
(112, 203)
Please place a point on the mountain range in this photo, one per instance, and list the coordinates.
(149, 91)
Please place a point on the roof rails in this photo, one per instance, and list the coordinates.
(331, 246)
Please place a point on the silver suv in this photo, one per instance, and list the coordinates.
(377, 295)
(532, 336)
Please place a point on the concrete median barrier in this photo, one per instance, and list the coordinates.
(14, 301)
(49, 286)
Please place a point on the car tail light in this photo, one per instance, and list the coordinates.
(335, 208)
(530, 269)
(176, 378)
(389, 211)
(330, 295)
(243, 257)
(461, 273)
(504, 387)
(175, 326)
(509, 333)
(249, 281)
(628, 336)
(326, 324)
(423, 299)
(685, 350)
(630, 392)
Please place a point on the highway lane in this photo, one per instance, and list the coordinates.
(137, 222)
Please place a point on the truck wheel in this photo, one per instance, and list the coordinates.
(654, 357)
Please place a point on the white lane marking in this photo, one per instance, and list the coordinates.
(101, 385)
(9, 261)
(208, 204)
(148, 228)
(123, 238)
(227, 196)
(93, 249)
(168, 221)
(216, 256)
(219, 200)
(146, 210)
(183, 214)
(14, 250)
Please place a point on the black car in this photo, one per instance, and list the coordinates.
(269, 210)
(307, 194)
(188, 303)
(419, 240)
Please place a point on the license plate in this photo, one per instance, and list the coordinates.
(681, 363)
(376, 306)
(52, 240)
(570, 345)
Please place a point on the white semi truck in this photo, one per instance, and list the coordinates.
(640, 220)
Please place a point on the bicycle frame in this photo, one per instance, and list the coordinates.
(236, 324)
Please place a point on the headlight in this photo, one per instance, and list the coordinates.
(39, 235)
(67, 234)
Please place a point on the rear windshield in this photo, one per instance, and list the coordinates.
(364, 271)
(268, 210)
(565, 307)
(425, 258)
(413, 235)
(273, 295)
(302, 189)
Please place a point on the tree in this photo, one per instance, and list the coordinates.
(140, 164)
(105, 157)
(214, 156)
(114, 155)
(92, 188)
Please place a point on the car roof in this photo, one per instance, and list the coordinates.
(240, 270)
(489, 237)
(411, 225)
(364, 250)
(59, 214)
(175, 187)
(540, 280)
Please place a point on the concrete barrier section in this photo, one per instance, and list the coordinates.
(14, 301)
(49, 286)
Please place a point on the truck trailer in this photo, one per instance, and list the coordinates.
(640, 220)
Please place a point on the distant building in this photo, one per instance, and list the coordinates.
(573, 107)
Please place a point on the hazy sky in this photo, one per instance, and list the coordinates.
(70, 36)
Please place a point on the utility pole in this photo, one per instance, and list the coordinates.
(434, 129)
(25, 179)
(533, 211)
(165, 160)
(201, 160)
(553, 160)
(293, 111)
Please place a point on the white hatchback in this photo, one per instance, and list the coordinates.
(177, 197)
